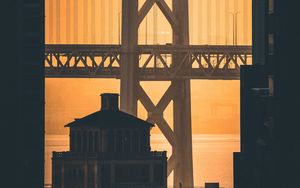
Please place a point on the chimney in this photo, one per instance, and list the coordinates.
(109, 101)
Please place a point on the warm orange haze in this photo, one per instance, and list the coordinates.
(211, 22)
(215, 103)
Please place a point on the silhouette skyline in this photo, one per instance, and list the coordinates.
(269, 93)
(270, 142)
(109, 149)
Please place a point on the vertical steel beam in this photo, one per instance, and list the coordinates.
(103, 18)
(245, 11)
(235, 22)
(218, 22)
(57, 21)
(68, 21)
(183, 171)
(155, 29)
(75, 21)
(179, 91)
(93, 21)
(129, 56)
(227, 21)
(110, 21)
(50, 28)
(209, 19)
(191, 13)
(199, 23)
(85, 21)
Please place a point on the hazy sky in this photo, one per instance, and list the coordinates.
(215, 104)
(97, 21)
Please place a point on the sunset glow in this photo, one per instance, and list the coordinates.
(215, 103)
(206, 27)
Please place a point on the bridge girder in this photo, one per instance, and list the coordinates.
(155, 62)
(132, 63)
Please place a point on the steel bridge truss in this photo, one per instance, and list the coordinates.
(132, 63)
(155, 62)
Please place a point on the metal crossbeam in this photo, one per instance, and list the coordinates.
(178, 63)
(103, 61)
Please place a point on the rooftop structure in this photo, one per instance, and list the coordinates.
(109, 149)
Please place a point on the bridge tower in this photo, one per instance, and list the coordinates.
(123, 62)
(180, 138)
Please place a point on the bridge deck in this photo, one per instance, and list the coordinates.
(155, 61)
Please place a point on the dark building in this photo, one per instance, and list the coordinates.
(270, 144)
(212, 185)
(22, 93)
(109, 149)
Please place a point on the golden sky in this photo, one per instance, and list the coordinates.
(215, 104)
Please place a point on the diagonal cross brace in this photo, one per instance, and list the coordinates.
(172, 163)
(155, 113)
(144, 10)
(167, 12)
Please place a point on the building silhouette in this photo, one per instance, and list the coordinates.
(270, 144)
(22, 93)
(212, 185)
(109, 149)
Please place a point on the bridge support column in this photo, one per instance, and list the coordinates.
(129, 56)
(59, 60)
(181, 162)
(183, 171)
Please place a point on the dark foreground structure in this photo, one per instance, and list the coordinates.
(270, 143)
(109, 149)
(22, 93)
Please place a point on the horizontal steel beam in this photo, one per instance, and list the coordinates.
(103, 61)
(168, 48)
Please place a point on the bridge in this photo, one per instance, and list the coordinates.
(103, 61)
(178, 62)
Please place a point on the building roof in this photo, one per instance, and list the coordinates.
(109, 119)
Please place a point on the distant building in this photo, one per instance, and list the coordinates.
(212, 185)
(270, 144)
(109, 149)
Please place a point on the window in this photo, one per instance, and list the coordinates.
(127, 141)
(96, 146)
(271, 6)
(119, 140)
(91, 138)
(271, 86)
(79, 143)
(271, 44)
(143, 141)
(132, 173)
(135, 141)
(84, 144)
(105, 176)
(158, 173)
(111, 141)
